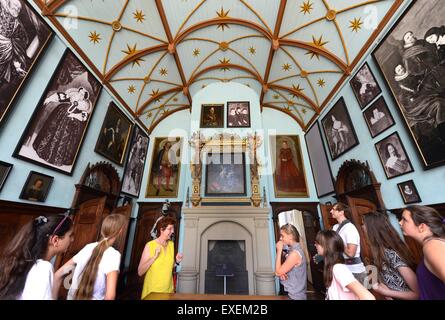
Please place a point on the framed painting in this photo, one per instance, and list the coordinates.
(238, 114)
(55, 132)
(225, 174)
(378, 117)
(409, 192)
(393, 156)
(134, 168)
(365, 86)
(114, 135)
(212, 116)
(24, 36)
(289, 173)
(324, 182)
(36, 187)
(165, 168)
(5, 169)
(338, 130)
(411, 58)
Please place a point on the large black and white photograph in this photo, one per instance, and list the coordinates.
(23, 37)
(393, 156)
(412, 60)
(378, 117)
(114, 135)
(134, 168)
(54, 134)
(338, 129)
(365, 86)
(409, 192)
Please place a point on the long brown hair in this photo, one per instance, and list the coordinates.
(333, 248)
(27, 246)
(430, 217)
(290, 229)
(382, 235)
(111, 226)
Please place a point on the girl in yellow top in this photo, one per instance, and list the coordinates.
(157, 260)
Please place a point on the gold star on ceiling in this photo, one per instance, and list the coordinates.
(139, 16)
(163, 72)
(306, 7)
(287, 108)
(355, 24)
(224, 61)
(175, 99)
(318, 43)
(286, 67)
(94, 37)
(165, 112)
(303, 110)
(149, 115)
(298, 89)
(222, 15)
(196, 52)
(321, 82)
(276, 96)
(154, 94)
(252, 50)
(130, 51)
(290, 103)
(131, 89)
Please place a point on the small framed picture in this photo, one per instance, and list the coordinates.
(393, 156)
(409, 192)
(36, 187)
(212, 116)
(378, 118)
(365, 86)
(238, 114)
(5, 169)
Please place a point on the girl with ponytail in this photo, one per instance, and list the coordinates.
(96, 266)
(26, 271)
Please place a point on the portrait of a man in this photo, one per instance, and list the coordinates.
(212, 116)
(238, 114)
(365, 86)
(409, 192)
(36, 187)
(23, 36)
(378, 117)
(412, 62)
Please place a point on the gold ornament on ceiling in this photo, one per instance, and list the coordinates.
(131, 89)
(149, 115)
(355, 24)
(318, 43)
(154, 94)
(286, 67)
(321, 83)
(223, 15)
(163, 72)
(303, 110)
(94, 37)
(196, 52)
(252, 50)
(276, 96)
(139, 16)
(130, 51)
(306, 7)
(224, 61)
(298, 89)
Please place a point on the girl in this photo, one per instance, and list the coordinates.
(96, 266)
(427, 227)
(392, 258)
(26, 270)
(338, 278)
(292, 272)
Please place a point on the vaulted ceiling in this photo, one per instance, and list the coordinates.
(154, 55)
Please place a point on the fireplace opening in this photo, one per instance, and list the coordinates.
(226, 260)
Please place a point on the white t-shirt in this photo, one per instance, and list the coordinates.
(349, 234)
(341, 277)
(39, 282)
(110, 262)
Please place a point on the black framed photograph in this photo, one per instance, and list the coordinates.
(55, 132)
(114, 135)
(411, 58)
(24, 36)
(36, 187)
(378, 117)
(365, 86)
(225, 174)
(212, 116)
(238, 114)
(338, 130)
(409, 192)
(393, 156)
(5, 169)
(134, 168)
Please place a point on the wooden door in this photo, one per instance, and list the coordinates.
(360, 207)
(328, 221)
(121, 242)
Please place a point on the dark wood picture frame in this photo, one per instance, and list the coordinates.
(384, 122)
(114, 135)
(40, 35)
(134, 167)
(41, 193)
(212, 121)
(238, 120)
(410, 195)
(336, 130)
(222, 179)
(5, 170)
(50, 116)
(395, 165)
(372, 89)
(418, 18)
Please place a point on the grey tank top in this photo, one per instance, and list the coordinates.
(295, 285)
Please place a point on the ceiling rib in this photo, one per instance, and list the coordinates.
(299, 94)
(156, 97)
(219, 66)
